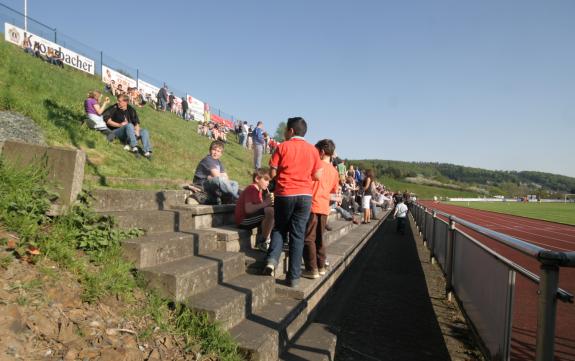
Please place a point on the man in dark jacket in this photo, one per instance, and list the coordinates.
(123, 120)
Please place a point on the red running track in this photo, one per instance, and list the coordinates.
(545, 234)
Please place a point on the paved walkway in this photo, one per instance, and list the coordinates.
(382, 308)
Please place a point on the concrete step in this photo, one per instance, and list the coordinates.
(233, 239)
(264, 334)
(340, 254)
(202, 216)
(114, 200)
(154, 249)
(186, 277)
(256, 260)
(151, 221)
(317, 342)
(230, 302)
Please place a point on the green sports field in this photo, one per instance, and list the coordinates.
(555, 212)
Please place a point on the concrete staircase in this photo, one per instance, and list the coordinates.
(194, 255)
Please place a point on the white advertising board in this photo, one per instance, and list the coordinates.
(148, 89)
(15, 35)
(196, 107)
(109, 75)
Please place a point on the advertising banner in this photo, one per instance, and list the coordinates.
(217, 119)
(15, 35)
(196, 107)
(110, 76)
(148, 89)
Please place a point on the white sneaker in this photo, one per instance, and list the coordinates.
(135, 150)
(148, 154)
(269, 270)
(127, 147)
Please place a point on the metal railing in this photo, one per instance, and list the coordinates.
(487, 296)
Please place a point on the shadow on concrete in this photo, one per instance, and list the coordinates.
(381, 306)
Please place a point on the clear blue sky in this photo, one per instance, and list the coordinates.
(479, 83)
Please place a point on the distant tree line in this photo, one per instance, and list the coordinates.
(524, 181)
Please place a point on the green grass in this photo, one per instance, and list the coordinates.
(423, 191)
(554, 212)
(53, 98)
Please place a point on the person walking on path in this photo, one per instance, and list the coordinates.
(259, 144)
(401, 215)
(295, 165)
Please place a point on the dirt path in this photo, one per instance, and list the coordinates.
(391, 306)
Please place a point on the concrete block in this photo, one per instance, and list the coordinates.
(189, 276)
(65, 166)
(109, 200)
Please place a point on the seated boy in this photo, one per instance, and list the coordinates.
(252, 209)
(211, 176)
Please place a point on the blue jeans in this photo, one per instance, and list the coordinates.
(218, 186)
(345, 214)
(258, 154)
(127, 134)
(291, 215)
(245, 140)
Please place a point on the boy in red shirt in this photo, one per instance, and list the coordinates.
(252, 209)
(295, 164)
(314, 249)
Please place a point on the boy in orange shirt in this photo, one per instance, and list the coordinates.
(314, 249)
(296, 164)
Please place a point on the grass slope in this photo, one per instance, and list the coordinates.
(554, 212)
(423, 191)
(54, 97)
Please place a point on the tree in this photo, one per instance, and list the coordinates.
(279, 134)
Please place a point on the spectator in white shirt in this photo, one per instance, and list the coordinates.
(401, 215)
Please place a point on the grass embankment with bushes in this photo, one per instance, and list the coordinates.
(554, 212)
(87, 245)
(54, 97)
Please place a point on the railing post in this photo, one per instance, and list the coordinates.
(449, 260)
(546, 312)
(432, 241)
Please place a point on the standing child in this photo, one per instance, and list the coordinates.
(252, 209)
(401, 215)
(296, 164)
(314, 249)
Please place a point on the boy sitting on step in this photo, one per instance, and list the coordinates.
(314, 248)
(212, 177)
(253, 209)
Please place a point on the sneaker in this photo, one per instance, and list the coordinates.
(148, 155)
(262, 246)
(269, 270)
(127, 147)
(135, 150)
(313, 274)
(326, 263)
(322, 271)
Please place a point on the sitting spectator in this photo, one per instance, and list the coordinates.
(53, 58)
(123, 120)
(211, 176)
(94, 111)
(27, 45)
(252, 209)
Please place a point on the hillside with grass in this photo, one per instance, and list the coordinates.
(53, 98)
(454, 180)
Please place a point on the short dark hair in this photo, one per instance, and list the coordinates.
(217, 144)
(298, 125)
(261, 173)
(327, 145)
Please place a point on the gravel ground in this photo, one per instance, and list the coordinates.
(14, 126)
